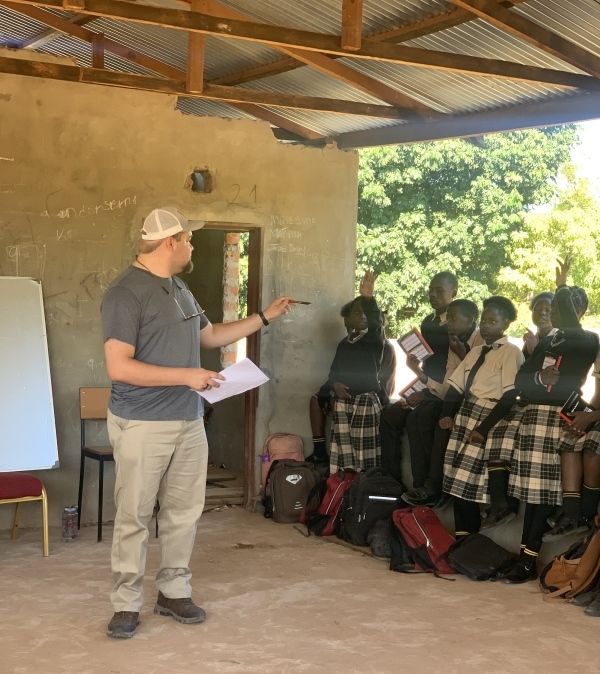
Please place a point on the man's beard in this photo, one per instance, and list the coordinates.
(189, 267)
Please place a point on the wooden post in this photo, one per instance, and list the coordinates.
(352, 24)
(98, 50)
(195, 66)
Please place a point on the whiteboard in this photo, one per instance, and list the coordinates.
(27, 430)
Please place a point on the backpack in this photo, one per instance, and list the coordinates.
(288, 484)
(373, 495)
(419, 542)
(281, 446)
(479, 558)
(322, 518)
(380, 539)
(575, 571)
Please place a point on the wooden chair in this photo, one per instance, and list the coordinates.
(93, 405)
(19, 488)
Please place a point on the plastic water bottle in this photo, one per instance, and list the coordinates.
(69, 524)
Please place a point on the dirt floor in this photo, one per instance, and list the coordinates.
(278, 602)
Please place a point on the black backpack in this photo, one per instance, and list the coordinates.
(287, 487)
(479, 558)
(373, 495)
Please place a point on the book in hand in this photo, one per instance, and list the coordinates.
(414, 387)
(574, 404)
(413, 343)
(550, 360)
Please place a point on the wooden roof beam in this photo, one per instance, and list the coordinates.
(195, 60)
(531, 32)
(326, 65)
(396, 35)
(288, 37)
(352, 13)
(227, 94)
(47, 36)
(76, 30)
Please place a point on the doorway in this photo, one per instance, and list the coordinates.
(226, 281)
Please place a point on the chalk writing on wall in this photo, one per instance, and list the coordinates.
(85, 210)
(28, 259)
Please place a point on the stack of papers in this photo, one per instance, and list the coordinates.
(239, 378)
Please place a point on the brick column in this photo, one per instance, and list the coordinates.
(231, 289)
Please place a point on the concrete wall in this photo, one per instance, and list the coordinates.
(80, 162)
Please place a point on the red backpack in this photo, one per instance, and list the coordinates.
(324, 520)
(419, 542)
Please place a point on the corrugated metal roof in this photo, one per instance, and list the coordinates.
(449, 92)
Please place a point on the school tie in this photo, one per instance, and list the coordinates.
(476, 367)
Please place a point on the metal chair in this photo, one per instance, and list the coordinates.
(18, 488)
(93, 405)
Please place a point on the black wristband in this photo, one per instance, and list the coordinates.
(262, 318)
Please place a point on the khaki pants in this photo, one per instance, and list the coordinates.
(168, 460)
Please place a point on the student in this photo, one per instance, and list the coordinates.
(354, 380)
(442, 290)
(580, 467)
(321, 404)
(540, 306)
(535, 476)
(426, 439)
(483, 388)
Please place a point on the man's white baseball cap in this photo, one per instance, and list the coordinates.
(167, 221)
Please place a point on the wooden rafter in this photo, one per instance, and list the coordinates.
(330, 67)
(46, 36)
(412, 31)
(524, 116)
(195, 61)
(98, 51)
(227, 94)
(352, 12)
(288, 37)
(60, 25)
(531, 32)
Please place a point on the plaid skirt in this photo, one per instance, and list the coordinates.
(590, 442)
(465, 464)
(535, 475)
(500, 442)
(355, 441)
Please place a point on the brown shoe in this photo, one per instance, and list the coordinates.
(123, 624)
(183, 610)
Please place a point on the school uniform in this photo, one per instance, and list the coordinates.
(590, 442)
(355, 441)
(393, 419)
(465, 465)
(426, 439)
(534, 430)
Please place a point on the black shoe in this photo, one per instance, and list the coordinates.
(419, 497)
(123, 624)
(183, 609)
(521, 572)
(442, 501)
(498, 515)
(586, 598)
(565, 527)
(594, 608)
(556, 517)
(506, 569)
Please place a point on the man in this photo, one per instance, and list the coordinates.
(152, 329)
(442, 290)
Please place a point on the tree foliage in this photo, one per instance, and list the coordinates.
(450, 205)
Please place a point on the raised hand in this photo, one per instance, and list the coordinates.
(562, 271)
(278, 307)
(367, 285)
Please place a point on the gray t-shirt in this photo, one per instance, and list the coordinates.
(147, 312)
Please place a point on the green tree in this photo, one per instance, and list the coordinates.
(450, 205)
(571, 226)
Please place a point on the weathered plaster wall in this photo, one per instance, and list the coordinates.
(79, 162)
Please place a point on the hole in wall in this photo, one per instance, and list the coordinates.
(200, 181)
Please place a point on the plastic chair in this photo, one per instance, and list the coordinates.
(93, 405)
(18, 488)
